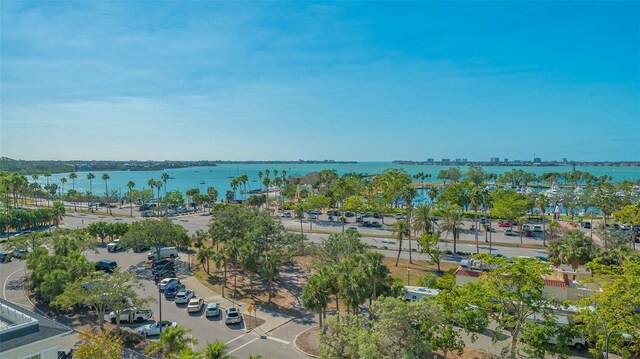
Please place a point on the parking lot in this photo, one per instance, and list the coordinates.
(204, 329)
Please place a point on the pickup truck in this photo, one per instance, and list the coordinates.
(131, 315)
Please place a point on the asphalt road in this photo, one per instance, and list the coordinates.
(199, 221)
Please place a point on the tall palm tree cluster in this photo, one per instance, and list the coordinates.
(248, 242)
(345, 272)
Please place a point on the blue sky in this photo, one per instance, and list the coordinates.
(361, 81)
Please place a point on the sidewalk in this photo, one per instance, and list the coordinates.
(272, 319)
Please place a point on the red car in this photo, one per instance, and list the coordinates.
(504, 224)
(528, 233)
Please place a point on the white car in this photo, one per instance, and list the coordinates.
(114, 246)
(285, 214)
(233, 316)
(154, 328)
(165, 282)
(195, 305)
(183, 296)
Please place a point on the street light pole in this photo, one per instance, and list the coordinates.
(607, 334)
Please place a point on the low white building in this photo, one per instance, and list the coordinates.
(27, 335)
(416, 293)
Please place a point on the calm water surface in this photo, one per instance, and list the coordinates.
(219, 176)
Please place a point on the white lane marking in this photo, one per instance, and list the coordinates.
(4, 288)
(278, 340)
(236, 338)
(243, 345)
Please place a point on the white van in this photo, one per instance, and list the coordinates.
(165, 252)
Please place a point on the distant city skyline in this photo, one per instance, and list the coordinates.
(340, 81)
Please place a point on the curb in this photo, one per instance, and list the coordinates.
(295, 341)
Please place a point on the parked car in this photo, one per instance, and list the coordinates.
(131, 315)
(154, 328)
(114, 246)
(349, 214)
(483, 220)
(400, 216)
(164, 274)
(106, 265)
(504, 224)
(19, 253)
(173, 289)
(537, 228)
(526, 227)
(233, 316)
(167, 267)
(359, 219)
(285, 214)
(212, 310)
(183, 296)
(5, 257)
(195, 305)
(376, 224)
(528, 233)
(586, 225)
(508, 232)
(160, 263)
(165, 282)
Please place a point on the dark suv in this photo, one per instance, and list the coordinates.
(106, 265)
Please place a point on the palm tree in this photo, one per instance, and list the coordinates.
(408, 194)
(329, 277)
(422, 219)
(220, 259)
(543, 202)
(47, 175)
(215, 350)
(35, 180)
(173, 340)
(234, 186)
(63, 180)
(266, 181)
(159, 185)
(203, 256)
(73, 177)
(106, 178)
(90, 177)
(130, 185)
(453, 222)
(152, 185)
(315, 296)
(271, 261)
(165, 177)
(232, 249)
(432, 192)
(58, 212)
(476, 198)
(376, 271)
(401, 229)
(249, 256)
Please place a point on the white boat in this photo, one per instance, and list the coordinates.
(554, 190)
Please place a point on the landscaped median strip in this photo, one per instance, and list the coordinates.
(463, 241)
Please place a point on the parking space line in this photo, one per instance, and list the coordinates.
(243, 345)
(234, 339)
(278, 340)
